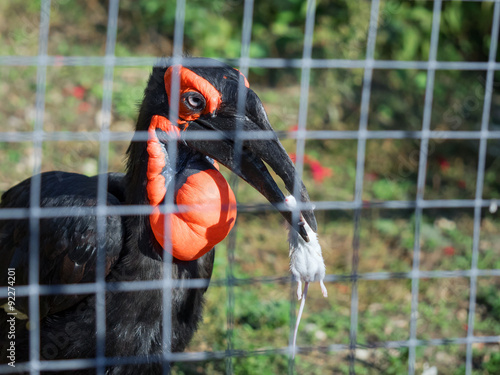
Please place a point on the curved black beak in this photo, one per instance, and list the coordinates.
(248, 160)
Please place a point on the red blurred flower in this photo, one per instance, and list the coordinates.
(461, 184)
(78, 92)
(449, 251)
(443, 163)
(319, 172)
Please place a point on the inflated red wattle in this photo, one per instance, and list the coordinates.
(208, 213)
(207, 203)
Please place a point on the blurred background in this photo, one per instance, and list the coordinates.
(262, 311)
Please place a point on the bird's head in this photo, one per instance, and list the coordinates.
(204, 94)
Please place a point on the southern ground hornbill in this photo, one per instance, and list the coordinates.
(134, 245)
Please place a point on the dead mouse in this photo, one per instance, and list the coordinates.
(306, 263)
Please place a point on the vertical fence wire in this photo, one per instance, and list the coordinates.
(306, 63)
(483, 143)
(102, 187)
(169, 204)
(35, 189)
(360, 171)
(422, 170)
(243, 63)
(305, 80)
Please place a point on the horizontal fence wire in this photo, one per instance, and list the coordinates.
(77, 364)
(268, 63)
(135, 286)
(244, 135)
(305, 64)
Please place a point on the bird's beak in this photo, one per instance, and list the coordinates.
(248, 160)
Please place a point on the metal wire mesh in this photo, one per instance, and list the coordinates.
(38, 136)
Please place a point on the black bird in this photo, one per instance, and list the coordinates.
(134, 245)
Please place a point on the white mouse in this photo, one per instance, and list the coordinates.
(306, 263)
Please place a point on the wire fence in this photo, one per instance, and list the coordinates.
(38, 136)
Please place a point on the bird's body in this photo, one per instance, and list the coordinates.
(67, 328)
(135, 245)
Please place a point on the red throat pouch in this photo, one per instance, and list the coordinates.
(207, 205)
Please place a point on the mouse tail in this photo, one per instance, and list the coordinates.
(299, 316)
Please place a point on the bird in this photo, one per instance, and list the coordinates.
(203, 93)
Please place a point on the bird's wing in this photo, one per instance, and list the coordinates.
(67, 244)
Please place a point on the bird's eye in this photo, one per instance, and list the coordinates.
(194, 101)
